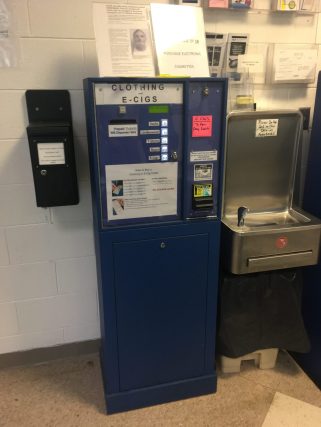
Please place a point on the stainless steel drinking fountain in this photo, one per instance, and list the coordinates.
(262, 231)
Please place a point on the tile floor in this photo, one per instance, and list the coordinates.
(69, 393)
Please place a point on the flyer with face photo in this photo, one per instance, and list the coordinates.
(123, 40)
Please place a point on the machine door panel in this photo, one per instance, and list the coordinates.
(161, 299)
(139, 146)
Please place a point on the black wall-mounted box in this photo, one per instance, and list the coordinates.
(52, 148)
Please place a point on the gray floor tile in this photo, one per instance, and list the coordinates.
(70, 393)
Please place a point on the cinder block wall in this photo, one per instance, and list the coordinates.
(48, 289)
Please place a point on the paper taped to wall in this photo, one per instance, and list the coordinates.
(123, 40)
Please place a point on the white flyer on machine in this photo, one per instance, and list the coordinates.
(141, 190)
(180, 40)
(123, 40)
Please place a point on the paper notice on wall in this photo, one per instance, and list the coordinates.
(295, 64)
(180, 40)
(252, 63)
(141, 190)
(123, 40)
(8, 51)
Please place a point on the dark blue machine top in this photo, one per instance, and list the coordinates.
(157, 148)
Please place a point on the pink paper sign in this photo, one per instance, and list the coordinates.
(218, 3)
(202, 126)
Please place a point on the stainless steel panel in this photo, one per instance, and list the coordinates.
(273, 262)
(261, 230)
(268, 219)
(255, 242)
(259, 171)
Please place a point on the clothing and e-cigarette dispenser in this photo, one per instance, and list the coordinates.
(156, 153)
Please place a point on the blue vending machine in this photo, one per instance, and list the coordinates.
(156, 158)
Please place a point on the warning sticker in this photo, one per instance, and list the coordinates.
(203, 156)
(201, 126)
(203, 190)
(203, 172)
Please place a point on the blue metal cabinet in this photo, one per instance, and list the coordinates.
(159, 304)
(160, 313)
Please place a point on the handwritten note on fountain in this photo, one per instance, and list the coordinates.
(266, 127)
(201, 126)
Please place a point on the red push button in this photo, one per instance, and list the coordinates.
(281, 242)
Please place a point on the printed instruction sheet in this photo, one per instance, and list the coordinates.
(295, 63)
(141, 190)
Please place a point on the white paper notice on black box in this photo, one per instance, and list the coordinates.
(123, 40)
(179, 38)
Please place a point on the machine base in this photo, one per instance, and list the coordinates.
(163, 393)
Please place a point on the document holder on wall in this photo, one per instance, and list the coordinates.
(51, 147)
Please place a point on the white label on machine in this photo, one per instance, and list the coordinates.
(266, 127)
(203, 156)
(117, 131)
(141, 190)
(203, 172)
(150, 132)
(51, 153)
(138, 93)
(152, 141)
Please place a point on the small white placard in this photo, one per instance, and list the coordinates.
(254, 63)
(203, 156)
(266, 127)
(117, 131)
(203, 172)
(51, 153)
(150, 132)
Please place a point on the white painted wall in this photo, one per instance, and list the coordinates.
(48, 290)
